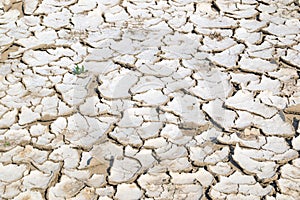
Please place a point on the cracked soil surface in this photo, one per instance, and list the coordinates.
(179, 99)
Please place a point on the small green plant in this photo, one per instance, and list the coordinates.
(78, 70)
(7, 144)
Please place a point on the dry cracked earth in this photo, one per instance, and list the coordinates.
(179, 99)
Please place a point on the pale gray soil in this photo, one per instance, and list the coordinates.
(178, 99)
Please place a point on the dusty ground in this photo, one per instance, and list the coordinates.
(179, 99)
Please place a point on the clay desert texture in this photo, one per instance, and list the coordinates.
(149, 100)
